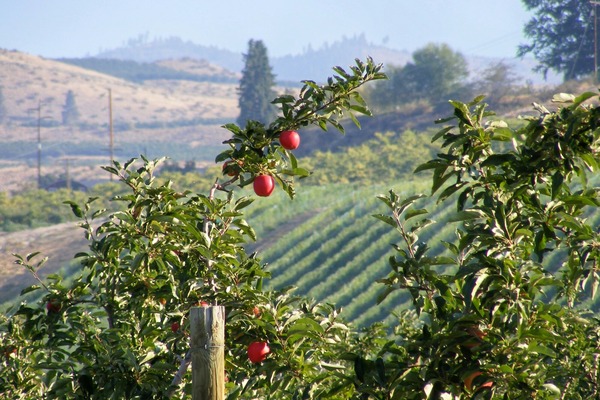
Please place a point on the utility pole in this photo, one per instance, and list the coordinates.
(68, 177)
(110, 125)
(39, 145)
(595, 11)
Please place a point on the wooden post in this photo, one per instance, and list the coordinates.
(207, 326)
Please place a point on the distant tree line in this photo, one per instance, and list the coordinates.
(435, 75)
(389, 156)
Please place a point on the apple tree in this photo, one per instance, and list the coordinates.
(118, 328)
(503, 307)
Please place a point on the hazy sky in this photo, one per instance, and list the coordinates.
(76, 28)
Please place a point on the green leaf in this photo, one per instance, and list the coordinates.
(552, 390)
(433, 164)
(464, 216)
(361, 109)
(355, 120)
(540, 349)
(462, 112)
(415, 212)
(497, 160)
(563, 98)
(557, 181)
(441, 133)
(583, 97)
(75, 209)
(233, 128)
(30, 289)
(30, 256)
(385, 218)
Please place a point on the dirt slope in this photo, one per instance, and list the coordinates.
(58, 242)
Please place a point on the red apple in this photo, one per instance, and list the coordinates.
(204, 304)
(53, 306)
(232, 167)
(290, 140)
(9, 351)
(478, 336)
(175, 326)
(469, 382)
(257, 351)
(264, 185)
(256, 311)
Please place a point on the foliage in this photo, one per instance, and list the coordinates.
(33, 208)
(498, 81)
(254, 150)
(388, 157)
(109, 332)
(562, 36)
(435, 73)
(256, 86)
(498, 319)
(70, 113)
(499, 311)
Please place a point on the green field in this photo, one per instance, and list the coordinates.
(327, 244)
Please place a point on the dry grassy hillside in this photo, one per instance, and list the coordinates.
(141, 113)
(27, 80)
(198, 67)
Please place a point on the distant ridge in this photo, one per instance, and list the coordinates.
(141, 50)
(311, 64)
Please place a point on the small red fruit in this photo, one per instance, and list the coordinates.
(264, 185)
(9, 351)
(257, 351)
(469, 382)
(290, 140)
(175, 326)
(478, 336)
(53, 306)
(256, 311)
(204, 304)
(232, 167)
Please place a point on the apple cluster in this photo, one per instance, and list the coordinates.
(264, 184)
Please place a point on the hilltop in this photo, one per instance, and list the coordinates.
(171, 107)
(312, 63)
(27, 80)
(176, 118)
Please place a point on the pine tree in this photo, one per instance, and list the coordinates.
(256, 86)
(70, 113)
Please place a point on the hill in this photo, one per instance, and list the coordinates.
(29, 80)
(310, 64)
(176, 118)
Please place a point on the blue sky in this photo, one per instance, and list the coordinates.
(76, 28)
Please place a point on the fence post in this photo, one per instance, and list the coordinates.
(207, 329)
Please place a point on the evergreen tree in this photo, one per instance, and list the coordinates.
(70, 113)
(562, 36)
(256, 86)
